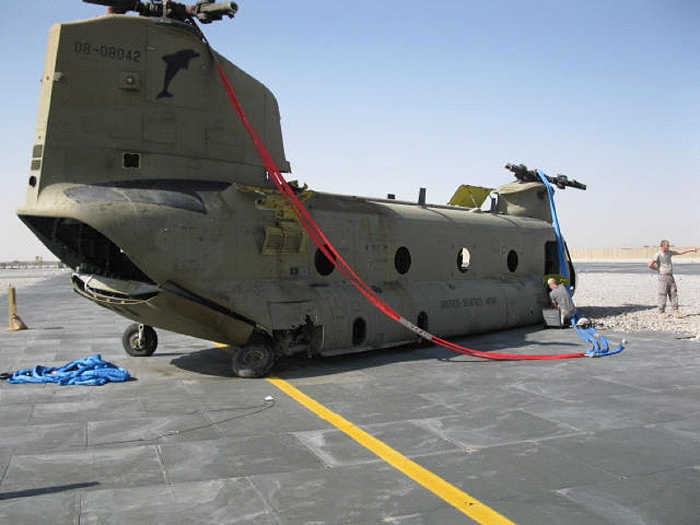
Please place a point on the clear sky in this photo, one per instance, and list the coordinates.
(387, 96)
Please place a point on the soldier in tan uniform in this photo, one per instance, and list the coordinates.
(666, 288)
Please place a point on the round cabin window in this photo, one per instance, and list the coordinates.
(512, 261)
(402, 260)
(359, 331)
(463, 260)
(323, 265)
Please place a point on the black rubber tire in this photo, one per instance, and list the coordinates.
(130, 340)
(255, 360)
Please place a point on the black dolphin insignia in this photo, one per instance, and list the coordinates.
(175, 62)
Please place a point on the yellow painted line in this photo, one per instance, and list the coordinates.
(460, 500)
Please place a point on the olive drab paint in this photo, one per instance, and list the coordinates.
(144, 182)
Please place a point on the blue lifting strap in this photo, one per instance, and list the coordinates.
(599, 345)
(563, 266)
(92, 371)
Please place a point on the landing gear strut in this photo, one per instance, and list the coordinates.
(139, 340)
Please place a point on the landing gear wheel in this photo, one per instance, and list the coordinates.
(253, 360)
(139, 340)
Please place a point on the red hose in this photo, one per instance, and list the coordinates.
(325, 246)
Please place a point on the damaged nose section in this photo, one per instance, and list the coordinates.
(103, 272)
(84, 249)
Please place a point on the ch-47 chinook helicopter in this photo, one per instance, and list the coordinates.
(145, 182)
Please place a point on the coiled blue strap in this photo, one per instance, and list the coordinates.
(92, 371)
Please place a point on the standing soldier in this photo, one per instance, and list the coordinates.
(661, 262)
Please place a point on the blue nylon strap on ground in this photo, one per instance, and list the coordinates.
(599, 345)
(90, 371)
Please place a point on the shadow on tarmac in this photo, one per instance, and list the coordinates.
(216, 361)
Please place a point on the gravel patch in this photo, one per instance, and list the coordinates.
(627, 303)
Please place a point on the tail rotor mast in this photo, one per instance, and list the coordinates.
(206, 11)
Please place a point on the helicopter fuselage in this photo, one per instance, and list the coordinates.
(145, 183)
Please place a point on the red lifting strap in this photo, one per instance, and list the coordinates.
(335, 257)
